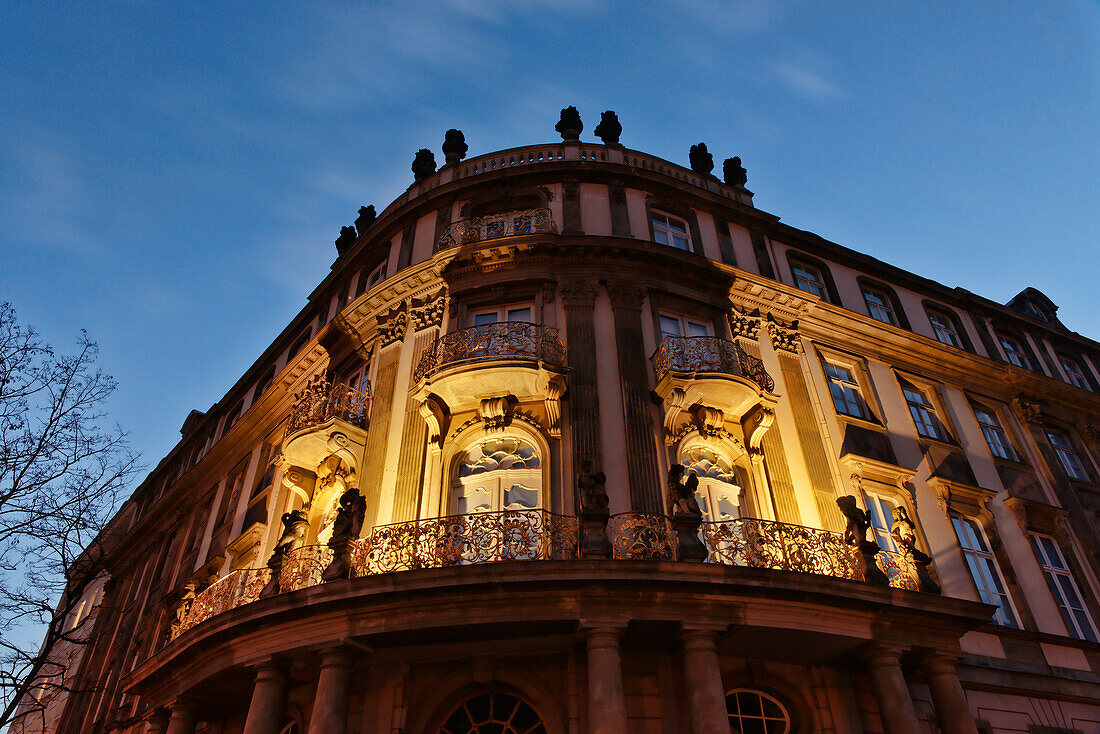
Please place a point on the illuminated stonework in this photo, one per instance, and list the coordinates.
(389, 536)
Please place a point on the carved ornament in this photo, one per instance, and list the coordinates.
(495, 413)
(709, 420)
(555, 388)
(426, 313)
(1029, 411)
(579, 292)
(392, 326)
(784, 337)
(626, 294)
(743, 324)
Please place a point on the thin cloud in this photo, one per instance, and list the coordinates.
(808, 84)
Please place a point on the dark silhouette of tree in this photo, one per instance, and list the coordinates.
(62, 470)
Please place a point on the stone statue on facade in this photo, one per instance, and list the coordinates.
(187, 598)
(345, 240)
(702, 162)
(733, 173)
(686, 515)
(855, 535)
(295, 528)
(570, 126)
(609, 128)
(594, 513)
(454, 146)
(904, 533)
(366, 218)
(345, 529)
(423, 165)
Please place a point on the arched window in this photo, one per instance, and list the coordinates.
(291, 728)
(498, 474)
(494, 713)
(754, 712)
(718, 494)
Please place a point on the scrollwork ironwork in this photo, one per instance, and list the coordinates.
(515, 340)
(642, 536)
(709, 354)
(320, 401)
(780, 546)
(508, 224)
(303, 566)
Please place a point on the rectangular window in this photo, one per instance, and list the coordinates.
(983, 569)
(504, 313)
(847, 397)
(809, 279)
(1075, 374)
(670, 231)
(679, 325)
(943, 326)
(1014, 352)
(995, 434)
(1064, 588)
(924, 414)
(881, 513)
(879, 306)
(1066, 454)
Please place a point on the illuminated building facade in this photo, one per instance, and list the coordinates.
(446, 498)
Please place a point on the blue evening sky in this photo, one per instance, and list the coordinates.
(173, 175)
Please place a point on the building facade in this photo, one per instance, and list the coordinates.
(557, 446)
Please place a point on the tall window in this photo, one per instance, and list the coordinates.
(1066, 454)
(1075, 374)
(1064, 588)
(880, 306)
(670, 231)
(924, 414)
(679, 325)
(1015, 352)
(984, 570)
(845, 391)
(718, 493)
(881, 513)
(943, 326)
(515, 312)
(809, 279)
(994, 434)
(498, 474)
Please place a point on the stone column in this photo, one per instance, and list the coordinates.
(182, 718)
(265, 712)
(606, 700)
(330, 704)
(157, 723)
(895, 705)
(703, 679)
(948, 697)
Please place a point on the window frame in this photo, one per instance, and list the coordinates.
(864, 407)
(1072, 375)
(1022, 358)
(818, 281)
(997, 428)
(1057, 588)
(668, 230)
(501, 312)
(1080, 472)
(685, 322)
(890, 297)
(874, 502)
(986, 560)
(931, 404)
(796, 258)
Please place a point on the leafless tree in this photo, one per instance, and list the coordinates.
(62, 471)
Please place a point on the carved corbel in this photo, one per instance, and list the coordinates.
(1030, 411)
(392, 326)
(784, 337)
(428, 312)
(943, 497)
(300, 482)
(755, 425)
(708, 420)
(579, 292)
(743, 324)
(436, 418)
(673, 404)
(495, 413)
(555, 388)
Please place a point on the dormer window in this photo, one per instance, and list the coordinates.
(668, 230)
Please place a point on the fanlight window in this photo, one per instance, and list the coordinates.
(494, 713)
(753, 712)
(718, 493)
(499, 474)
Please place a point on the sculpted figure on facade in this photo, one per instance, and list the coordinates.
(702, 161)
(733, 173)
(366, 218)
(454, 146)
(686, 515)
(345, 529)
(295, 529)
(904, 533)
(345, 240)
(590, 487)
(609, 128)
(570, 125)
(423, 165)
(187, 598)
(855, 535)
(594, 514)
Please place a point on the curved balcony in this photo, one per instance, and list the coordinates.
(513, 341)
(327, 420)
(496, 226)
(320, 402)
(539, 535)
(693, 355)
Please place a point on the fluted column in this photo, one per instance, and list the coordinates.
(703, 677)
(182, 718)
(606, 700)
(330, 704)
(265, 712)
(157, 723)
(948, 696)
(895, 705)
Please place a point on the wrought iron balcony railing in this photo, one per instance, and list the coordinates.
(694, 354)
(508, 340)
(508, 224)
(539, 535)
(320, 402)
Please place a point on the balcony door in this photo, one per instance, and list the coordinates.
(718, 494)
(496, 475)
(515, 312)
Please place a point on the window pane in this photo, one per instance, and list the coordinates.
(679, 242)
(695, 329)
(670, 326)
(660, 235)
(485, 318)
(519, 314)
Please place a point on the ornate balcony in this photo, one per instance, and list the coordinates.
(539, 535)
(507, 340)
(320, 402)
(509, 224)
(709, 355)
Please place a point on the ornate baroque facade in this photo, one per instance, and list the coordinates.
(575, 440)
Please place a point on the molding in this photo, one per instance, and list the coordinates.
(784, 337)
